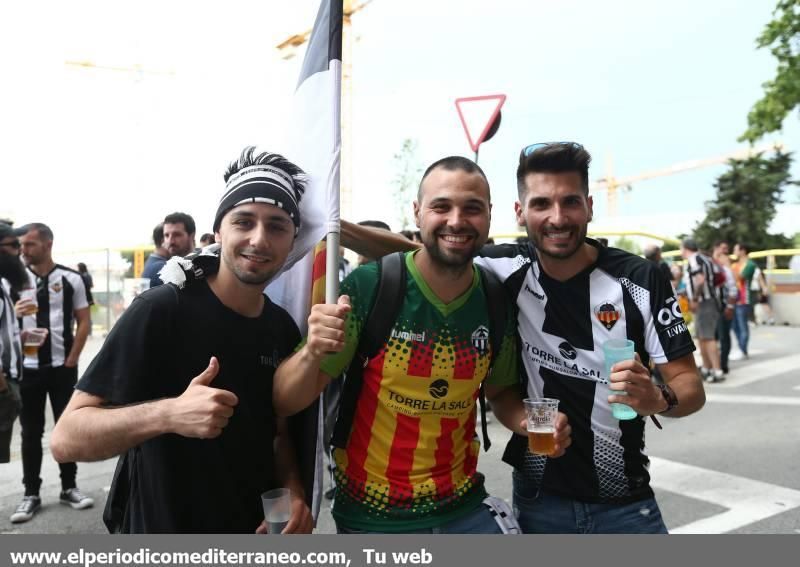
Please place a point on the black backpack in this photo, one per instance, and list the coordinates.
(392, 274)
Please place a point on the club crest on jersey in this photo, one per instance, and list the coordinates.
(607, 314)
(480, 340)
(56, 287)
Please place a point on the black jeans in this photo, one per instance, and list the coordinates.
(35, 387)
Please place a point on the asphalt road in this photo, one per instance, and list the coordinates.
(734, 467)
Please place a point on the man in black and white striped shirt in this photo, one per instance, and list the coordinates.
(61, 301)
(705, 301)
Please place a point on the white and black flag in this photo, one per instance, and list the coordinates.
(315, 145)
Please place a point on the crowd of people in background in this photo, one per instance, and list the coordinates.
(170, 389)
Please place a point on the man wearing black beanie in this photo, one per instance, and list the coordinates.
(182, 388)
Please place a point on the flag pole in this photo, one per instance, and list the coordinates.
(332, 268)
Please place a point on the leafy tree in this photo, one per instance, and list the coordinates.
(747, 196)
(781, 94)
(406, 181)
(628, 244)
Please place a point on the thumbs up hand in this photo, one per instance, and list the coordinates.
(326, 327)
(202, 411)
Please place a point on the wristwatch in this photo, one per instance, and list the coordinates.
(669, 396)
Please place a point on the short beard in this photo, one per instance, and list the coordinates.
(13, 270)
(456, 264)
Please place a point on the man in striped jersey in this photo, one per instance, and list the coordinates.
(52, 372)
(573, 295)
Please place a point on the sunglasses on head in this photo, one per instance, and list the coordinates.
(528, 150)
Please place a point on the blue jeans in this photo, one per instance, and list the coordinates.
(541, 512)
(478, 521)
(740, 328)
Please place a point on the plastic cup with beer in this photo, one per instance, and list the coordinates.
(617, 350)
(277, 509)
(541, 420)
(29, 304)
(34, 338)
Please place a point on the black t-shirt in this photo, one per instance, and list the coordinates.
(164, 340)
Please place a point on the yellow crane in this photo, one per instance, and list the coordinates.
(613, 184)
(289, 46)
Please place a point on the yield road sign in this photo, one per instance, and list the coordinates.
(480, 117)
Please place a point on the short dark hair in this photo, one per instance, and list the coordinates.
(158, 235)
(743, 246)
(376, 224)
(207, 236)
(82, 268)
(180, 218)
(690, 244)
(452, 163)
(44, 231)
(554, 158)
(651, 252)
(718, 243)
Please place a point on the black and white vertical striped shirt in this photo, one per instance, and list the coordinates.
(10, 351)
(700, 278)
(562, 327)
(59, 294)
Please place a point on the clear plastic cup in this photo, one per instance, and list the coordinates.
(541, 421)
(34, 338)
(277, 509)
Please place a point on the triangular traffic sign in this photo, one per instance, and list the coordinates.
(477, 114)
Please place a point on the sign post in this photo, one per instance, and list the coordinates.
(480, 117)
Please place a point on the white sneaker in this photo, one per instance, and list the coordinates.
(736, 355)
(75, 499)
(26, 509)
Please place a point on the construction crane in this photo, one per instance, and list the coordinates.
(135, 69)
(288, 47)
(613, 184)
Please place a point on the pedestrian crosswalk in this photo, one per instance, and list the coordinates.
(746, 501)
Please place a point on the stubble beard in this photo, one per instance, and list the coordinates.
(559, 254)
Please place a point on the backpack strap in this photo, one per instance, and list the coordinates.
(391, 290)
(497, 303)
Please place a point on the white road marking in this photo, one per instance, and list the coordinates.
(749, 373)
(759, 400)
(747, 501)
(796, 388)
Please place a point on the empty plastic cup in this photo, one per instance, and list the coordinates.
(617, 350)
(277, 509)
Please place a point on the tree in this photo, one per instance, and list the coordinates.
(747, 196)
(781, 94)
(628, 244)
(406, 181)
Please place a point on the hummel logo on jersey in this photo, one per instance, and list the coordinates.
(607, 314)
(408, 336)
(539, 296)
(56, 287)
(438, 389)
(567, 351)
(480, 340)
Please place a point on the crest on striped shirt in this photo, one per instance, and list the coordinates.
(607, 314)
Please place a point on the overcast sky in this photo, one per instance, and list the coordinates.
(102, 155)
